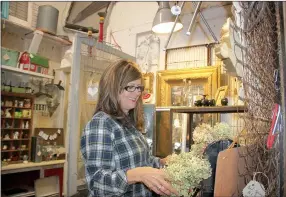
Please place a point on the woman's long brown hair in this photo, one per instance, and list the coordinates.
(111, 84)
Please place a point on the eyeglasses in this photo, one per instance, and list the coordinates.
(133, 88)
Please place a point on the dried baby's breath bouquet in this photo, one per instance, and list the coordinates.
(204, 134)
(223, 131)
(186, 171)
(198, 149)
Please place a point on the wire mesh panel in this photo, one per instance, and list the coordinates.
(90, 59)
(93, 61)
(256, 23)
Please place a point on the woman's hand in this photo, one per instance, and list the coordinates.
(153, 178)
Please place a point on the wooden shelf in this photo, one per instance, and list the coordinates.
(24, 133)
(27, 194)
(16, 118)
(14, 129)
(17, 150)
(15, 139)
(66, 69)
(23, 118)
(28, 33)
(216, 109)
(23, 95)
(26, 72)
(30, 192)
(17, 107)
(190, 112)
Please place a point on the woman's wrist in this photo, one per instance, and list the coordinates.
(163, 161)
(133, 176)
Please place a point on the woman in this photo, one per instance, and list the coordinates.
(116, 154)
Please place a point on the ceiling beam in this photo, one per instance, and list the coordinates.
(91, 9)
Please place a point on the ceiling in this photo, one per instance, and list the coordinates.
(188, 7)
(81, 11)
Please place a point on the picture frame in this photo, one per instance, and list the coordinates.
(147, 51)
(207, 76)
(91, 86)
(149, 125)
(168, 83)
(148, 80)
(92, 92)
(220, 93)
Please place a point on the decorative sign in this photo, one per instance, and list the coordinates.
(92, 91)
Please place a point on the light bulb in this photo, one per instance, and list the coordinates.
(176, 10)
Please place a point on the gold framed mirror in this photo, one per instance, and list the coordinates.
(148, 79)
(207, 78)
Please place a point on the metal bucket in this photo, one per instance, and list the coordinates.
(47, 20)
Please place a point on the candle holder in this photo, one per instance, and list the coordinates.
(224, 101)
(205, 101)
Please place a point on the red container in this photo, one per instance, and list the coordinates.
(33, 67)
(24, 61)
(25, 66)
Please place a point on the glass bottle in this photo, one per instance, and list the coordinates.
(189, 95)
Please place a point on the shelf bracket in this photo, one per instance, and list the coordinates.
(36, 41)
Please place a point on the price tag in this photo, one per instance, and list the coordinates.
(254, 189)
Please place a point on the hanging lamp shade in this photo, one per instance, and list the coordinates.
(164, 19)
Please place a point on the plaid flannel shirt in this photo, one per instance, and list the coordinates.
(109, 150)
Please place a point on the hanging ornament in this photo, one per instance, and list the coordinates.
(89, 34)
(92, 90)
(255, 188)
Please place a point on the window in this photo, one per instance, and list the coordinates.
(19, 9)
(21, 12)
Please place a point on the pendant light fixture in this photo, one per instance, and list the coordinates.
(164, 19)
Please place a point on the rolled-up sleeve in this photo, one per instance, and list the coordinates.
(97, 150)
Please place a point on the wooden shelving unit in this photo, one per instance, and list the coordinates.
(215, 109)
(190, 111)
(18, 70)
(64, 69)
(16, 148)
(28, 32)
